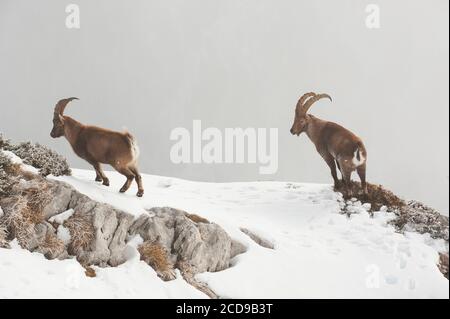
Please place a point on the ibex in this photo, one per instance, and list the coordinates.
(99, 146)
(337, 145)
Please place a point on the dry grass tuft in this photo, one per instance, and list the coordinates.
(17, 170)
(28, 176)
(31, 215)
(38, 196)
(81, 231)
(52, 246)
(155, 255)
(20, 220)
(13, 169)
(197, 219)
(23, 208)
(90, 272)
(377, 196)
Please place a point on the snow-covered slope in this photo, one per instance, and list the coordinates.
(30, 275)
(319, 253)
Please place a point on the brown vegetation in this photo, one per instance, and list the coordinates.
(90, 272)
(52, 246)
(197, 219)
(376, 196)
(81, 231)
(20, 220)
(38, 196)
(155, 255)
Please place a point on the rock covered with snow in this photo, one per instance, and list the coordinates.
(418, 217)
(97, 233)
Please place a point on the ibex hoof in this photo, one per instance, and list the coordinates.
(98, 179)
(122, 190)
(140, 193)
(106, 183)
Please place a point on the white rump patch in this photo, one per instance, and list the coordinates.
(355, 159)
(135, 149)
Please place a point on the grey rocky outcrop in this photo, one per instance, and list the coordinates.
(103, 232)
(206, 246)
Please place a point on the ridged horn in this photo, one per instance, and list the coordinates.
(303, 99)
(61, 105)
(313, 100)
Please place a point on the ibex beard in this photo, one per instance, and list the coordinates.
(337, 145)
(99, 146)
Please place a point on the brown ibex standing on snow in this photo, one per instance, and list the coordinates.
(99, 146)
(334, 143)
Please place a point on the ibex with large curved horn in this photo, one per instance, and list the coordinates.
(99, 146)
(337, 145)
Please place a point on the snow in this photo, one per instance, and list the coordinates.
(319, 253)
(30, 275)
(17, 160)
(61, 218)
(64, 234)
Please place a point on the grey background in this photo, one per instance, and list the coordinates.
(155, 65)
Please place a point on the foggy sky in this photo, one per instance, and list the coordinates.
(152, 66)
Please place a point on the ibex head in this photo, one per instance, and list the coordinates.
(58, 117)
(301, 119)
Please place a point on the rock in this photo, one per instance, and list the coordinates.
(118, 242)
(105, 223)
(47, 243)
(61, 196)
(237, 248)
(3, 236)
(207, 247)
(40, 232)
(258, 239)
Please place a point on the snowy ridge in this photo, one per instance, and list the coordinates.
(319, 253)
